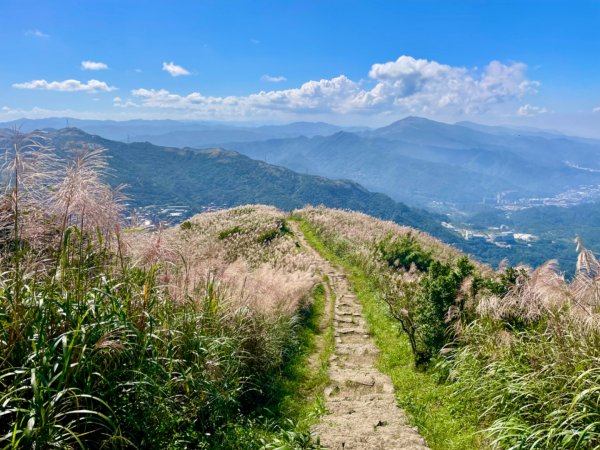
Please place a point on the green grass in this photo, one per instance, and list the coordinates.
(297, 401)
(301, 386)
(107, 358)
(444, 420)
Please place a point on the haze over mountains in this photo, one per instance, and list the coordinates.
(176, 133)
(175, 179)
(417, 161)
(423, 162)
(483, 176)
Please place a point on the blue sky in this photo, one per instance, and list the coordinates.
(349, 62)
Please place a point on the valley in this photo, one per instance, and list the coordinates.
(454, 183)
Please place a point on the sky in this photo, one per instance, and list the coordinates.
(362, 63)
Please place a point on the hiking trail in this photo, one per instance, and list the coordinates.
(360, 400)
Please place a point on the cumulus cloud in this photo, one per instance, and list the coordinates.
(406, 85)
(37, 33)
(273, 79)
(530, 110)
(93, 65)
(174, 70)
(426, 86)
(66, 86)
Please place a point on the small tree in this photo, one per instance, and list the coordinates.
(422, 304)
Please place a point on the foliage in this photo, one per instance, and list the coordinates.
(437, 307)
(281, 229)
(519, 346)
(229, 232)
(403, 252)
(110, 340)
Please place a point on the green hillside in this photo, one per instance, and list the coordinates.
(157, 175)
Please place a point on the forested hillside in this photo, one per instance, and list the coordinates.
(218, 178)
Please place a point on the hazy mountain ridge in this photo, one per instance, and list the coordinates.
(527, 161)
(420, 161)
(532, 164)
(177, 133)
(221, 178)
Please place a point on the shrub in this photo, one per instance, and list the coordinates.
(427, 306)
(403, 252)
(281, 229)
(229, 232)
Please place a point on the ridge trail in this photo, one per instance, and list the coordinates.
(360, 401)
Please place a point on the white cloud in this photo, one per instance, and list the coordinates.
(272, 79)
(174, 70)
(120, 103)
(93, 65)
(426, 86)
(37, 33)
(404, 86)
(66, 86)
(530, 110)
(596, 109)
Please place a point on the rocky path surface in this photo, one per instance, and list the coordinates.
(360, 400)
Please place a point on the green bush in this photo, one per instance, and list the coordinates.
(403, 252)
(438, 293)
(427, 306)
(281, 229)
(230, 232)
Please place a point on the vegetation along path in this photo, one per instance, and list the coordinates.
(360, 402)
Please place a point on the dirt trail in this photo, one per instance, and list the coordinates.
(360, 401)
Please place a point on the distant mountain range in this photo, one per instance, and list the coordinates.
(197, 179)
(465, 167)
(422, 162)
(176, 133)
(417, 161)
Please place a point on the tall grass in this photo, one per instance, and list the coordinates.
(519, 347)
(104, 346)
(532, 360)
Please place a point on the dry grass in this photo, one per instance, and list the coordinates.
(226, 246)
(526, 342)
(361, 231)
(137, 339)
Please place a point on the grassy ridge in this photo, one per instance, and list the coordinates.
(169, 339)
(153, 374)
(445, 420)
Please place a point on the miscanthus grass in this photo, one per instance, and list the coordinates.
(518, 348)
(119, 339)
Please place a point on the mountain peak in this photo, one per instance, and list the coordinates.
(415, 119)
(409, 122)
